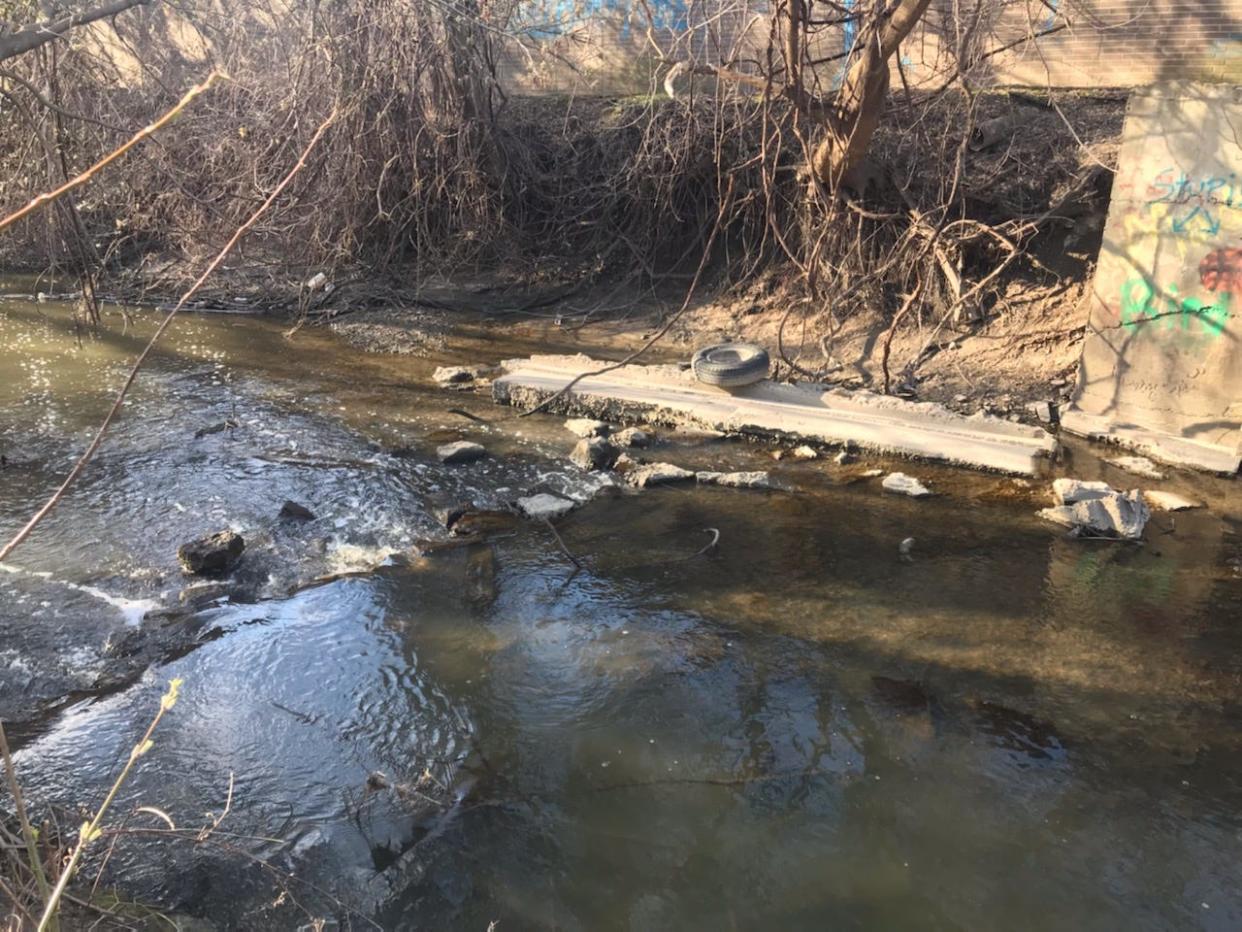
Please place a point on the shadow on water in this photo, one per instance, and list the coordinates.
(803, 728)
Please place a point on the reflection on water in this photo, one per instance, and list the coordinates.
(802, 729)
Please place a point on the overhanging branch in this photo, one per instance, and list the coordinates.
(33, 36)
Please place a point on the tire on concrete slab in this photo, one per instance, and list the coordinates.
(731, 365)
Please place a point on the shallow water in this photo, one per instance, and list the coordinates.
(802, 729)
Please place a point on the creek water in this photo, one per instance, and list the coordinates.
(803, 728)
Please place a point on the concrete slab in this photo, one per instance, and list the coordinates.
(669, 395)
(1161, 367)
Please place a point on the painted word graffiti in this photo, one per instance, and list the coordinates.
(1196, 202)
(1141, 304)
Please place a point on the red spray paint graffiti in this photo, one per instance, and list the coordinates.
(1221, 270)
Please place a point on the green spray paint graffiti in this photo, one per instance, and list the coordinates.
(1142, 305)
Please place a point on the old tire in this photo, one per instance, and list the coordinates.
(731, 365)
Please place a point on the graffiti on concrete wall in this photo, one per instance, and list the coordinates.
(1195, 205)
(1142, 305)
(553, 18)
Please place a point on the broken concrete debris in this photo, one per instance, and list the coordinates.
(902, 484)
(545, 505)
(595, 453)
(463, 451)
(657, 474)
(666, 394)
(735, 480)
(1096, 509)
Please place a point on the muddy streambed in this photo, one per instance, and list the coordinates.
(802, 729)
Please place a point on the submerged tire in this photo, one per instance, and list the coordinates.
(731, 365)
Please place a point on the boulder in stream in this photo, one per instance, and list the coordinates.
(632, 437)
(463, 451)
(595, 453)
(586, 427)
(292, 511)
(213, 555)
(545, 505)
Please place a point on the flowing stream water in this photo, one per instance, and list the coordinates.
(804, 728)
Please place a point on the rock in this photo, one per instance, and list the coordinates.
(1167, 501)
(213, 555)
(1139, 465)
(545, 505)
(844, 458)
(805, 452)
(316, 281)
(448, 510)
(961, 399)
(1042, 410)
(1119, 514)
(595, 453)
(586, 427)
(292, 511)
(906, 546)
(1069, 491)
(872, 473)
(463, 451)
(1059, 383)
(905, 485)
(632, 437)
(625, 463)
(735, 480)
(481, 523)
(778, 455)
(657, 474)
(454, 375)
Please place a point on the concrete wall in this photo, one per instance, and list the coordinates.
(610, 46)
(1162, 361)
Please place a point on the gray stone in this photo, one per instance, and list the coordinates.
(213, 555)
(463, 451)
(657, 474)
(545, 505)
(586, 427)
(632, 437)
(805, 452)
(736, 480)
(625, 463)
(595, 453)
(902, 484)
(844, 458)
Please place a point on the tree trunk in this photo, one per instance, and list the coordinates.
(838, 158)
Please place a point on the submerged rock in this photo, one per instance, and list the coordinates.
(1096, 509)
(463, 451)
(902, 484)
(736, 480)
(595, 453)
(545, 505)
(586, 427)
(213, 555)
(657, 474)
(1139, 465)
(1168, 501)
(292, 511)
